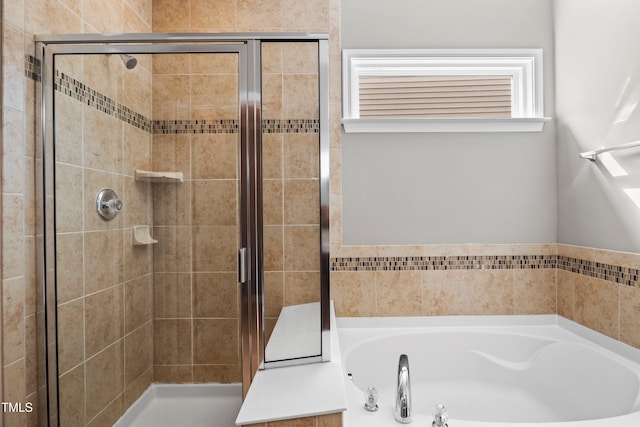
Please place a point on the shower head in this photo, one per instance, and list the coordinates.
(129, 61)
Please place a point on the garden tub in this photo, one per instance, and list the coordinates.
(491, 370)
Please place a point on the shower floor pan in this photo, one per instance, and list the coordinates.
(185, 405)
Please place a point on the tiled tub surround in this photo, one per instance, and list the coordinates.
(597, 288)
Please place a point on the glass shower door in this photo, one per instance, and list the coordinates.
(149, 292)
(196, 294)
(103, 134)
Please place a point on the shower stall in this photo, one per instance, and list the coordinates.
(185, 209)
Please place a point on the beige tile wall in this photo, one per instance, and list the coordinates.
(482, 289)
(600, 289)
(240, 15)
(18, 226)
(105, 283)
(290, 179)
(21, 158)
(196, 295)
(186, 338)
(603, 305)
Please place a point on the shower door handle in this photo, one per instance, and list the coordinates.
(242, 265)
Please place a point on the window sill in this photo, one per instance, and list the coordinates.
(529, 124)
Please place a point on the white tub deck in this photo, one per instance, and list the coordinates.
(519, 371)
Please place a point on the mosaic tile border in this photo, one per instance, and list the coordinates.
(73, 88)
(77, 90)
(291, 126)
(467, 262)
(176, 127)
(32, 68)
(232, 126)
(613, 273)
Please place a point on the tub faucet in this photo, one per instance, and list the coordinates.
(403, 392)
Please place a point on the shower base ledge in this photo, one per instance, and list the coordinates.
(170, 405)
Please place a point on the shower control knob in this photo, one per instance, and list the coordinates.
(112, 205)
(108, 204)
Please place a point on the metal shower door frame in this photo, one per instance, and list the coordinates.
(248, 48)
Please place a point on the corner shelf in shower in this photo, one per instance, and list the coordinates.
(152, 176)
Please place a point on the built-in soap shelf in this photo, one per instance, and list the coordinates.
(142, 235)
(153, 176)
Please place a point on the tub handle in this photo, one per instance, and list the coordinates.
(371, 399)
(440, 417)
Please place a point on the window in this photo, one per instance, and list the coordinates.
(433, 90)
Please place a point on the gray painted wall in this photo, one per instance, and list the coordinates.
(597, 99)
(439, 188)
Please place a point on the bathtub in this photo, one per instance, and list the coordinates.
(491, 371)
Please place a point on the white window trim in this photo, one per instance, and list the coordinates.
(523, 65)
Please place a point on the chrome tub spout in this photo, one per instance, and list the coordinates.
(403, 392)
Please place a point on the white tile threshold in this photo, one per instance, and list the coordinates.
(185, 405)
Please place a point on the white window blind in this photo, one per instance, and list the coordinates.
(442, 90)
(435, 96)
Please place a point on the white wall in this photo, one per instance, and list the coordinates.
(597, 95)
(450, 188)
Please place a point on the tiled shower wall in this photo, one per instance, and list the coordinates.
(104, 282)
(290, 142)
(196, 307)
(195, 108)
(22, 19)
(21, 230)
(194, 342)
